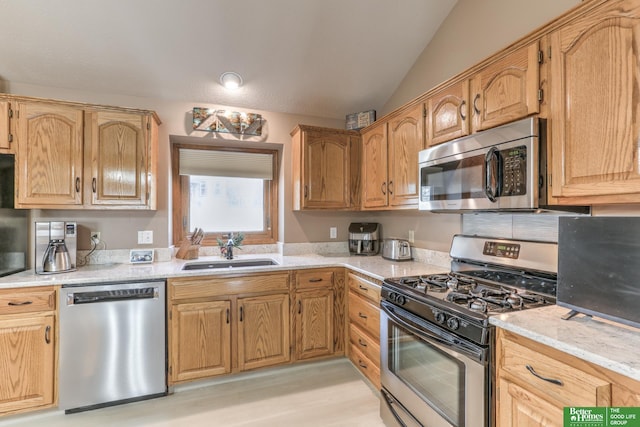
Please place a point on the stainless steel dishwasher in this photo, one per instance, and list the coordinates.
(112, 344)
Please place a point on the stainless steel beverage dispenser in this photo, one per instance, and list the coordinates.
(56, 246)
(364, 238)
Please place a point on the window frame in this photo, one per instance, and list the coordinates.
(181, 191)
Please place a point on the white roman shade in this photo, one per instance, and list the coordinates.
(226, 163)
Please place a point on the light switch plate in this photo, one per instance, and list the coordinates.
(333, 232)
(145, 237)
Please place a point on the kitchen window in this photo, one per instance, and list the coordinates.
(225, 190)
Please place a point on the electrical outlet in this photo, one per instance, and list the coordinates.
(95, 236)
(333, 232)
(145, 237)
(411, 236)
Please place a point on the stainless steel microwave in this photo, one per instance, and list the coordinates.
(498, 169)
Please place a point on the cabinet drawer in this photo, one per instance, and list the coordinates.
(314, 279)
(365, 288)
(365, 365)
(25, 300)
(363, 342)
(207, 286)
(365, 315)
(578, 388)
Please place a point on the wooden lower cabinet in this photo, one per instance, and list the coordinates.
(314, 323)
(27, 349)
(535, 382)
(263, 331)
(224, 324)
(364, 325)
(206, 327)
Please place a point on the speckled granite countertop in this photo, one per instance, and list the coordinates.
(375, 266)
(608, 344)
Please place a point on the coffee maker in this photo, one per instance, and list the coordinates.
(364, 238)
(56, 246)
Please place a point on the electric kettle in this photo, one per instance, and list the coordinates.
(56, 257)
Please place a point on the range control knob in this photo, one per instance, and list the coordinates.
(401, 300)
(393, 296)
(440, 317)
(453, 323)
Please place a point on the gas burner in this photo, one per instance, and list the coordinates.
(435, 282)
(459, 297)
(411, 282)
(456, 283)
(478, 304)
(483, 292)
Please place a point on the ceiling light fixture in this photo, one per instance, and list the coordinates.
(231, 80)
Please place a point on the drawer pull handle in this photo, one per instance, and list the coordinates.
(363, 288)
(362, 316)
(362, 343)
(315, 280)
(362, 365)
(550, 380)
(47, 334)
(20, 303)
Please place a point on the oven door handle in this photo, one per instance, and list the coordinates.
(401, 415)
(426, 332)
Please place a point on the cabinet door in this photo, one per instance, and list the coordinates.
(406, 139)
(326, 170)
(263, 331)
(200, 340)
(518, 407)
(314, 323)
(50, 155)
(507, 89)
(5, 131)
(448, 114)
(596, 115)
(119, 156)
(26, 363)
(374, 167)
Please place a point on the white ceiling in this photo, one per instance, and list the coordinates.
(323, 58)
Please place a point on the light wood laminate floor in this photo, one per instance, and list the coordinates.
(326, 393)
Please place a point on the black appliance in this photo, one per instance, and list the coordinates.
(436, 340)
(598, 267)
(14, 224)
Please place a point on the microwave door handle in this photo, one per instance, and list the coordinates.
(493, 176)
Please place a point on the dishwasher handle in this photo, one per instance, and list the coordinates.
(93, 297)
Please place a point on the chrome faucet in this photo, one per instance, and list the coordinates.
(229, 252)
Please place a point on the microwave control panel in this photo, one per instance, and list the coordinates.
(514, 171)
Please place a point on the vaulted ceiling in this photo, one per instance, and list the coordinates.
(323, 58)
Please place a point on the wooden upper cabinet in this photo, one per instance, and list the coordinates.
(6, 139)
(595, 81)
(406, 139)
(322, 164)
(50, 154)
(448, 114)
(507, 89)
(374, 167)
(119, 157)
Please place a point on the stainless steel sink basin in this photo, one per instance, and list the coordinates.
(209, 265)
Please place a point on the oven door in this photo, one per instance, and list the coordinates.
(429, 376)
(482, 172)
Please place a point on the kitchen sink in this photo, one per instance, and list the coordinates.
(209, 265)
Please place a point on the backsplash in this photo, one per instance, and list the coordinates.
(538, 227)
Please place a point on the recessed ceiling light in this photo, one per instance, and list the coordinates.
(231, 80)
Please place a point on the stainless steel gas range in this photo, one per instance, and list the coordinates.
(436, 341)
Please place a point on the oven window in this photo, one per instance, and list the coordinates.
(434, 375)
(458, 179)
